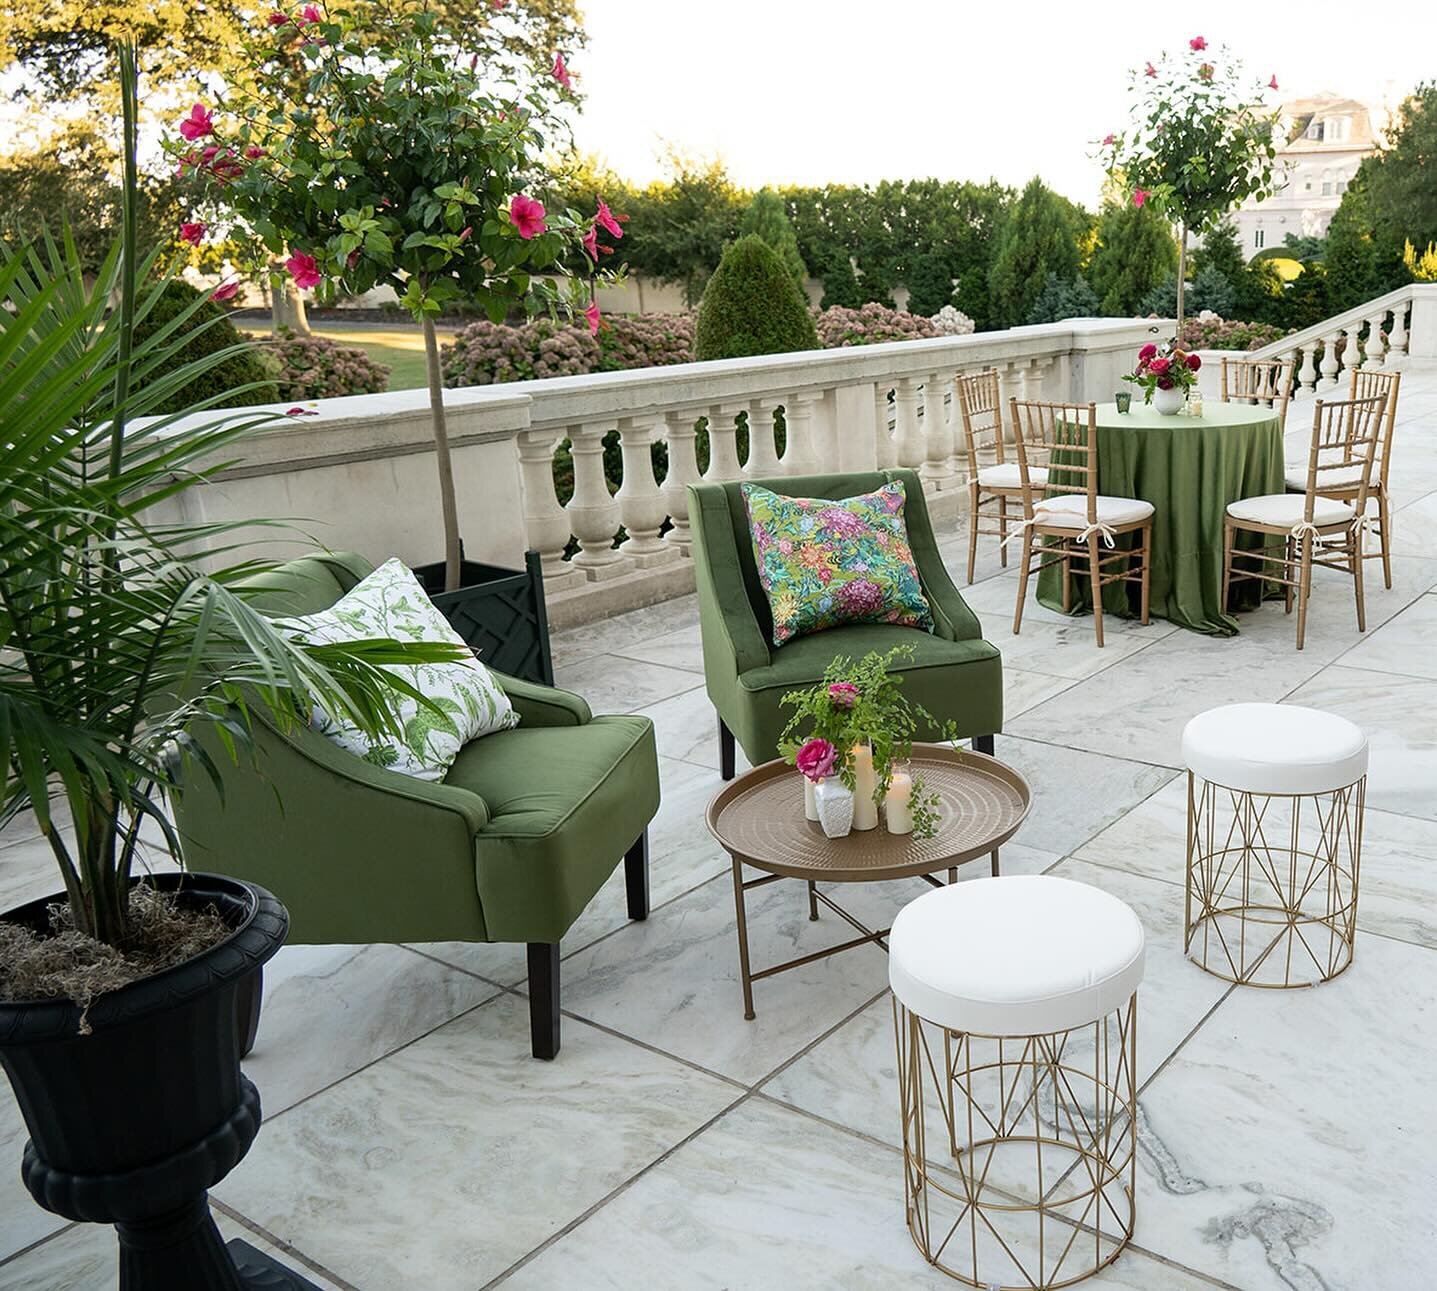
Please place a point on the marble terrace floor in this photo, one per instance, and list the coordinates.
(1287, 1139)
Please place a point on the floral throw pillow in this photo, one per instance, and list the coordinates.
(392, 603)
(824, 563)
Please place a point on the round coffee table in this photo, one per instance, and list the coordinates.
(759, 820)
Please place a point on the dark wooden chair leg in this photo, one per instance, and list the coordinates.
(983, 744)
(247, 1001)
(636, 877)
(726, 754)
(544, 998)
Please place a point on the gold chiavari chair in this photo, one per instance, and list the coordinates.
(1344, 486)
(993, 482)
(1265, 381)
(1312, 528)
(1072, 524)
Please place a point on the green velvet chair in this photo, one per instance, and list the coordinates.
(955, 674)
(511, 846)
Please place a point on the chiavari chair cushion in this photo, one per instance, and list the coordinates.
(1008, 476)
(1070, 510)
(1275, 749)
(1347, 478)
(1286, 510)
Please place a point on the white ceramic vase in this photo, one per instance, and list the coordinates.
(1168, 403)
(835, 807)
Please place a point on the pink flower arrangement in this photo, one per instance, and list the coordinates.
(1164, 367)
(198, 124)
(527, 216)
(844, 694)
(304, 269)
(817, 759)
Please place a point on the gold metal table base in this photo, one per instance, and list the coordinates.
(1019, 1152)
(1272, 883)
(816, 897)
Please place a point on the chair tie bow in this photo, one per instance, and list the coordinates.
(1104, 531)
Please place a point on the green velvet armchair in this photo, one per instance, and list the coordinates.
(955, 674)
(511, 846)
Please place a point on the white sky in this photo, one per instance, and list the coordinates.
(810, 91)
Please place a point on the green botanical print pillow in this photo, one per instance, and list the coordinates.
(825, 563)
(392, 603)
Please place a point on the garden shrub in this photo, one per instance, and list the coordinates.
(1208, 331)
(314, 367)
(870, 324)
(222, 384)
(1062, 298)
(486, 353)
(752, 306)
(952, 322)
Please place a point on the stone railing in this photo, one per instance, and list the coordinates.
(1389, 332)
(360, 474)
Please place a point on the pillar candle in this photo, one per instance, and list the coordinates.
(810, 803)
(898, 804)
(865, 811)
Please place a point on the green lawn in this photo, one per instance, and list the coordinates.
(399, 346)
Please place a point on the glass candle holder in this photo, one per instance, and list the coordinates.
(1124, 400)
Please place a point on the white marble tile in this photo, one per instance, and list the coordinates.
(1397, 714)
(441, 1165)
(1289, 1144)
(83, 1258)
(681, 649)
(22, 1221)
(1075, 794)
(369, 999)
(686, 727)
(1403, 645)
(637, 626)
(765, 1199)
(612, 684)
(1397, 885)
(1025, 690)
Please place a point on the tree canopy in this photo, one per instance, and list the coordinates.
(1041, 235)
(1134, 253)
(767, 218)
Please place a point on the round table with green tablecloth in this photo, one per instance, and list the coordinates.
(1190, 469)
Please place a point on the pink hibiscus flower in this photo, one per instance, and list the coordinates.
(304, 269)
(1198, 43)
(527, 215)
(198, 124)
(605, 219)
(561, 73)
(591, 312)
(225, 291)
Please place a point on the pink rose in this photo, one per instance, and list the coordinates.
(1158, 365)
(198, 124)
(816, 759)
(1197, 43)
(192, 232)
(1193, 362)
(304, 269)
(1148, 351)
(527, 215)
(843, 694)
(1165, 383)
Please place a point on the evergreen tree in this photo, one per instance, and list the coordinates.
(1401, 188)
(1060, 299)
(1220, 250)
(767, 218)
(752, 306)
(1135, 252)
(1040, 236)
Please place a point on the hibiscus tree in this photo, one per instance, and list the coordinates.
(403, 152)
(1202, 139)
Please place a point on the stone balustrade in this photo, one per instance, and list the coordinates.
(360, 474)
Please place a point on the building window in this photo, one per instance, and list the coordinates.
(1257, 239)
(1341, 185)
(1314, 131)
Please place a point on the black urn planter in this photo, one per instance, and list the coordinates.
(133, 1123)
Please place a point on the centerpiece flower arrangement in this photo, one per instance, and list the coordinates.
(1165, 368)
(856, 726)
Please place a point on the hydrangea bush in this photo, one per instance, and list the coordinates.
(487, 353)
(871, 324)
(952, 322)
(315, 367)
(1209, 331)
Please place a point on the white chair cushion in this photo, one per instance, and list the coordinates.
(1019, 956)
(1275, 749)
(1070, 510)
(1007, 476)
(1283, 510)
(1347, 478)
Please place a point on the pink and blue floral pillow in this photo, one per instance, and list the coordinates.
(825, 563)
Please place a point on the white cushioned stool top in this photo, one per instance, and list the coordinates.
(1019, 956)
(1070, 510)
(1275, 748)
(1006, 475)
(1285, 510)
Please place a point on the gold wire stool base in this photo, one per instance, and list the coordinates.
(1019, 1152)
(1272, 884)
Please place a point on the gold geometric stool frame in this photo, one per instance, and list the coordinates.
(1272, 883)
(1019, 1152)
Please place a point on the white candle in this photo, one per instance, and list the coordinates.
(898, 804)
(865, 810)
(810, 803)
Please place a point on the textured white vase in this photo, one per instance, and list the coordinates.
(835, 807)
(1169, 402)
(810, 803)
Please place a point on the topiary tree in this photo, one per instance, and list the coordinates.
(1202, 141)
(1040, 236)
(243, 378)
(752, 306)
(767, 218)
(1135, 252)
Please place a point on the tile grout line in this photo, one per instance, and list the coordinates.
(287, 1248)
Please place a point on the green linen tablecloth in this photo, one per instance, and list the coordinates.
(1190, 469)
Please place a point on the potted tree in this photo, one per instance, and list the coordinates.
(392, 147)
(1201, 141)
(119, 995)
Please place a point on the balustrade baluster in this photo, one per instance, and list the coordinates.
(937, 433)
(723, 446)
(1397, 337)
(641, 505)
(1374, 349)
(1307, 373)
(683, 471)
(593, 513)
(885, 451)
(800, 457)
(546, 523)
(1329, 365)
(1351, 354)
(762, 445)
(908, 437)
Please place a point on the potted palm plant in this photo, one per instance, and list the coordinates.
(119, 994)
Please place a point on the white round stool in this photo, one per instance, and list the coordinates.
(1015, 1007)
(1275, 796)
